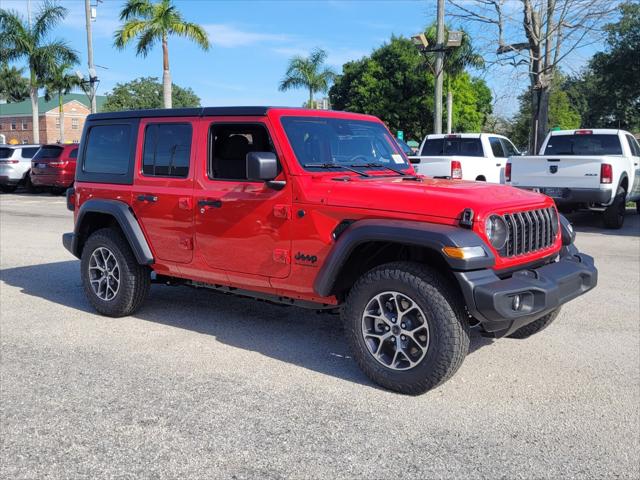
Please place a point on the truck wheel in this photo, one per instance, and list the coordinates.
(537, 326)
(614, 213)
(406, 326)
(8, 188)
(114, 282)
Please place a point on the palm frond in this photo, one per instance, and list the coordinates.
(193, 32)
(136, 8)
(130, 30)
(49, 15)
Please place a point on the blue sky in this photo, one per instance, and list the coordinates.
(253, 40)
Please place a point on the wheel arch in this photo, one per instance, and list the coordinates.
(366, 244)
(95, 214)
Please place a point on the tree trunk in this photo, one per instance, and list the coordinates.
(539, 118)
(310, 98)
(61, 116)
(449, 105)
(33, 93)
(166, 74)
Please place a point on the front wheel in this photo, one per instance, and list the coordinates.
(614, 213)
(406, 327)
(114, 282)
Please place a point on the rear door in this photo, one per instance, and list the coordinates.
(634, 148)
(500, 156)
(163, 186)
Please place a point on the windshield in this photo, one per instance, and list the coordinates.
(466, 147)
(342, 142)
(584, 144)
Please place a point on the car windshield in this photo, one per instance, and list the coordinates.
(320, 142)
(466, 147)
(583, 144)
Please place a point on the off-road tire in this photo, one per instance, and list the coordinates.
(614, 214)
(8, 188)
(536, 326)
(445, 315)
(135, 279)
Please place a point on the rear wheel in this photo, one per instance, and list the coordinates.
(537, 326)
(8, 188)
(614, 213)
(114, 282)
(406, 327)
(638, 206)
(31, 188)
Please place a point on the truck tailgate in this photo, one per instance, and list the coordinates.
(556, 171)
(433, 166)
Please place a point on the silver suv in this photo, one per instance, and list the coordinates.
(15, 163)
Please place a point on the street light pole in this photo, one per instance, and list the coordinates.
(437, 114)
(87, 12)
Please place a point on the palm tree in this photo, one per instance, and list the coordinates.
(60, 82)
(21, 40)
(308, 72)
(148, 23)
(456, 61)
(13, 86)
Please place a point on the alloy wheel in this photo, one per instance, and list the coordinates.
(104, 274)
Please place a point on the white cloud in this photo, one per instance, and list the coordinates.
(229, 36)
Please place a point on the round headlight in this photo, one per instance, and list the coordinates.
(496, 230)
(555, 222)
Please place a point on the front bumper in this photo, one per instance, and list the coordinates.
(491, 300)
(573, 196)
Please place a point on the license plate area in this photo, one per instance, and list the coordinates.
(553, 192)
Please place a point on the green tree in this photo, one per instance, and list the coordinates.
(13, 86)
(58, 83)
(395, 84)
(148, 23)
(308, 72)
(562, 113)
(145, 93)
(607, 94)
(19, 40)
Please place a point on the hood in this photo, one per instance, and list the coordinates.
(428, 196)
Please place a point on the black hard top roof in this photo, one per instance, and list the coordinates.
(182, 112)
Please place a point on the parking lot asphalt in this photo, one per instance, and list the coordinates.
(202, 385)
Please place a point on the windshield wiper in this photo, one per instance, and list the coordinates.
(380, 165)
(336, 165)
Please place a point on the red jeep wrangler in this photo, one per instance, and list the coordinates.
(319, 209)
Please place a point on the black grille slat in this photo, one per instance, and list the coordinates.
(527, 232)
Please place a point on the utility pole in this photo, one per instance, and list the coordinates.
(92, 85)
(437, 114)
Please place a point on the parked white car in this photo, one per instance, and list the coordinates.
(15, 164)
(467, 156)
(587, 168)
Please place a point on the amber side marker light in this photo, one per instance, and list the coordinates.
(464, 253)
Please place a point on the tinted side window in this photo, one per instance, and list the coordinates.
(29, 152)
(6, 152)
(73, 153)
(584, 144)
(108, 149)
(467, 147)
(508, 148)
(167, 150)
(496, 147)
(633, 146)
(229, 145)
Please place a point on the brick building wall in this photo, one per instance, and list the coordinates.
(75, 114)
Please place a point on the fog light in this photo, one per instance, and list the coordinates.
(516, 302)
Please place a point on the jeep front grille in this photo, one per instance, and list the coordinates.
(528, 231)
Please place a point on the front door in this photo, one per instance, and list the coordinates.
(163, 187)
(241, 226)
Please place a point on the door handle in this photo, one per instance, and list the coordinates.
(147, 198)
(209, 202)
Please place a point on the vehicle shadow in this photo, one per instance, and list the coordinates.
(290, 334)
(591, 222)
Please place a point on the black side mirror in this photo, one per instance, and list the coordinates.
(263, 166)
(414, 160)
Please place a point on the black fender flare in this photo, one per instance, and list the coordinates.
(403, 232)
(128, 223)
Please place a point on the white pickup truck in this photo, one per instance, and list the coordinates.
(595, 168)
(467, 156)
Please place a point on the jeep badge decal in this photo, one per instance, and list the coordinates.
(304, 259)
